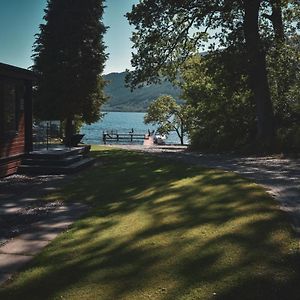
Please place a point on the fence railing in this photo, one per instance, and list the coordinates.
(47, 134)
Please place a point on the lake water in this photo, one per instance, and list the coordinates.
(123, 122)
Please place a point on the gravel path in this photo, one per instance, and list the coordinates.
(281, 177)
(20, 204)
(27, 223)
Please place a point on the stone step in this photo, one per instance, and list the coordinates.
(64, 161)
(56, 170)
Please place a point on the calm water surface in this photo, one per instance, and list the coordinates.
(123, 122)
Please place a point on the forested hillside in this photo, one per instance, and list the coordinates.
(122, 99)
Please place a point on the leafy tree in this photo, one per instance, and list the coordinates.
(283, 63)
(69, 57)
(284, 77)
(168, 32)
(222, 104)
(169, 116)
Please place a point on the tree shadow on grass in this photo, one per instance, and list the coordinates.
(159, 230)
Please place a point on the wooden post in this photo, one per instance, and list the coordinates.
(47, 136)
(28, 116)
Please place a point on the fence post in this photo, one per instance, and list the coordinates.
(104, 138)
(47, 136)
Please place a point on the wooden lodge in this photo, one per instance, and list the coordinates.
(15, 117)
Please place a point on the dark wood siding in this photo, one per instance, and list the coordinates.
(16, 140)
(10, 166)
(12, 150)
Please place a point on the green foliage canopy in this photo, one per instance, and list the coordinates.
(168, 32)
(69, 57)
(169, 116)
(222, 106)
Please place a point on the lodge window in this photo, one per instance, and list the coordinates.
(11, 102)
(10, 111)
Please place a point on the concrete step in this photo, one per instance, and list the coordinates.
(56, 170)
(64, 161)
(55, 154)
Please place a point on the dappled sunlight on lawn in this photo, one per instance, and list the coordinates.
(160, 230)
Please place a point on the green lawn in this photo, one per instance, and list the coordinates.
(165, 230)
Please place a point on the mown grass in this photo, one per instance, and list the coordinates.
(165, 230)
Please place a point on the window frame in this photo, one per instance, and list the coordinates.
(18, 98)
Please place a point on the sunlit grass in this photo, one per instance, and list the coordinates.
(165, 230)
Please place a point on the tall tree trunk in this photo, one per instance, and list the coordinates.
(181, 140)
(258, 75)
(278, 27)
(181, 134)
(277, 22)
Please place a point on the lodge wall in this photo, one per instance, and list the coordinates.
(15, 117)
(12, 150)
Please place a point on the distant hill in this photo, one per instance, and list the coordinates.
(122, 99)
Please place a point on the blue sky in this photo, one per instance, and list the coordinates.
(20, 19)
